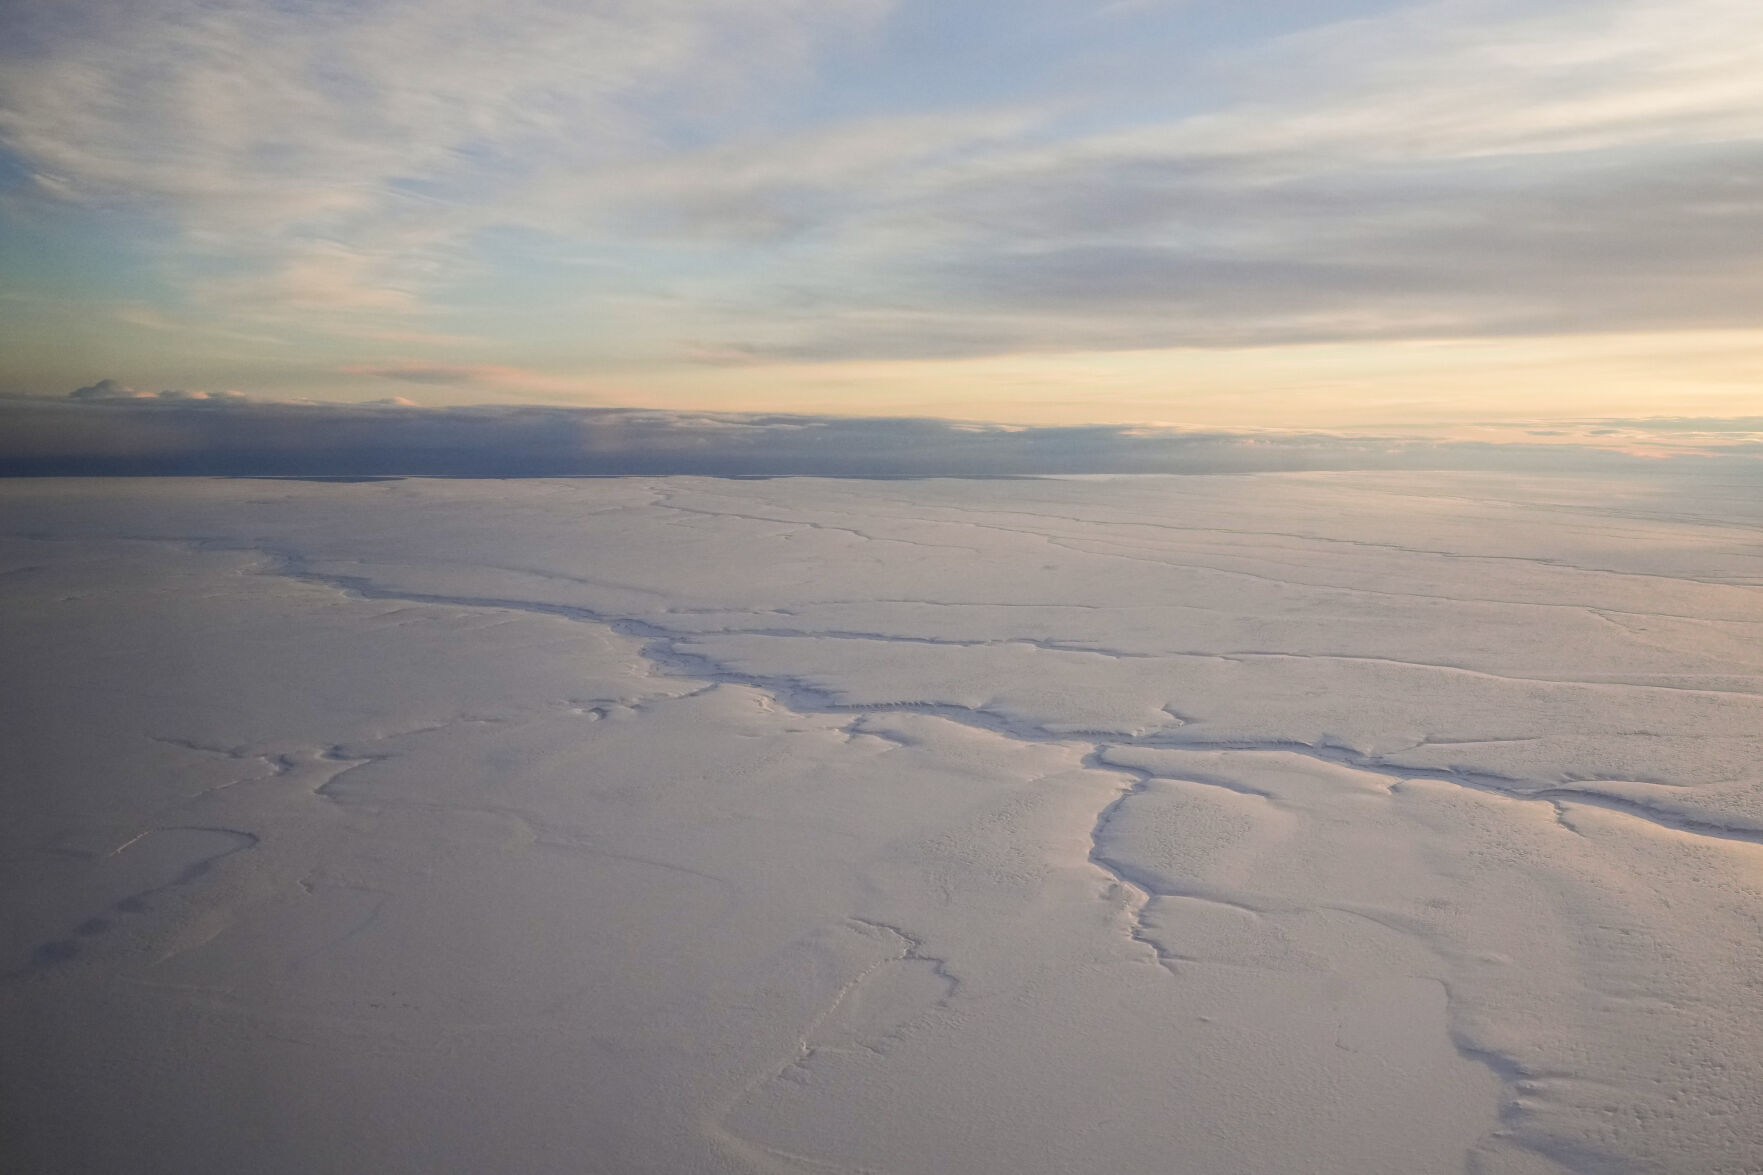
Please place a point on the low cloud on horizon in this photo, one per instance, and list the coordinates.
(110, 429)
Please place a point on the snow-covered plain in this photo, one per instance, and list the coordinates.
(1360, 823)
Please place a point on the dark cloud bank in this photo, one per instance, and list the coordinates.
(107, 431)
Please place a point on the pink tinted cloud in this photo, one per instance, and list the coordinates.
(467, 375)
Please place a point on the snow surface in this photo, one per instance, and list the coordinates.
(1369, 823)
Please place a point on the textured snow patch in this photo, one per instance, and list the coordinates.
(1368, 823)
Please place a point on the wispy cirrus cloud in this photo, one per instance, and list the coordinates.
(1445, 170)
(788, 181)
(330, 155)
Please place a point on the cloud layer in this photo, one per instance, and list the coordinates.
(121, 433)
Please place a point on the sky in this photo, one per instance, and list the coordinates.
(1262, 214)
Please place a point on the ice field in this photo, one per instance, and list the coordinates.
(1371, 823)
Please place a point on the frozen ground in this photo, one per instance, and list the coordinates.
(1326, 823)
